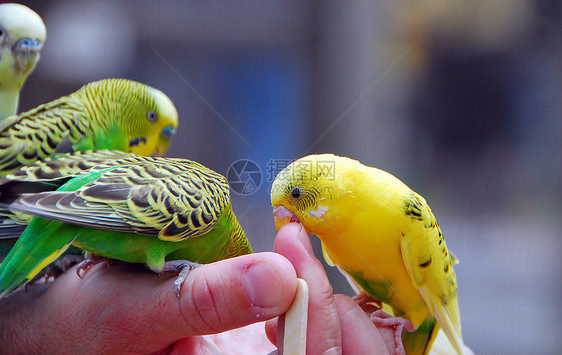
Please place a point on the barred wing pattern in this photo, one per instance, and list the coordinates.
(38, 133)
(70, 165)
(170, 198)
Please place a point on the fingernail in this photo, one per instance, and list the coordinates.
(263, 285)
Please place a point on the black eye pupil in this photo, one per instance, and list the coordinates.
(152, 116)
(296, 192)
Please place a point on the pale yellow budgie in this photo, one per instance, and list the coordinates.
(22, 34)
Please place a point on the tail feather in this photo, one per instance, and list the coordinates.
(447, 316)
(31, 254)
(419, 342)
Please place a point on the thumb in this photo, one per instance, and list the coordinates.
(232, 293)
(122, 309)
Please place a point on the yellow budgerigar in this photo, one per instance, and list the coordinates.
(382, 235)
(22, 34)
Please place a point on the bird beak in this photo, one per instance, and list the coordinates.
(168, 132)
(26, 52)
(283, 216)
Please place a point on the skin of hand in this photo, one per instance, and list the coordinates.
(119, 309)
(336, 323)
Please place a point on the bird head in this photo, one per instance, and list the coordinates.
(145, 117)
(304, 192)
(22, 34)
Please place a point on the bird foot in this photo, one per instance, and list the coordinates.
(383, 319)
(59, 267)
(55, 269)
(181, 266)
(367, 303)
(86, 264)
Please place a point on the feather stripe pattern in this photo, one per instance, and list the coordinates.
(146, 195)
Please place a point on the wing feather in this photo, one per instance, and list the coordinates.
(38, 133)
(430, 266)
(147, 195)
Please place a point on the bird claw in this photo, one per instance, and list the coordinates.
(87, 264)
(383, 319)
(59, 267)
(64, 264)
(367, 303)
(184, 267)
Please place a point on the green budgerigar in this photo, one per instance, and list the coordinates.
(115, 114)
(22, 34)
(152, 210)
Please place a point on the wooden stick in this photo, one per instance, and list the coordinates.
(296, 321)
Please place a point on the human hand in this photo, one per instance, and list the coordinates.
(336, 323)
(123, 310)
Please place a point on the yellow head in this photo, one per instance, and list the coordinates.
(305, 190)
(145, 117)
(22, 33)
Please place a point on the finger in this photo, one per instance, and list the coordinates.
(191, 346)
(128, 304)
(271, 330)
(250, 339)
(235, 293)
(359, 334)
(323, 335)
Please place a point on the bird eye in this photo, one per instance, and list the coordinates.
(152, 116)
(296, 192)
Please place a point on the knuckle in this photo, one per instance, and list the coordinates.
(206, 306)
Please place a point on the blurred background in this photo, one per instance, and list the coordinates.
(461, 100)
